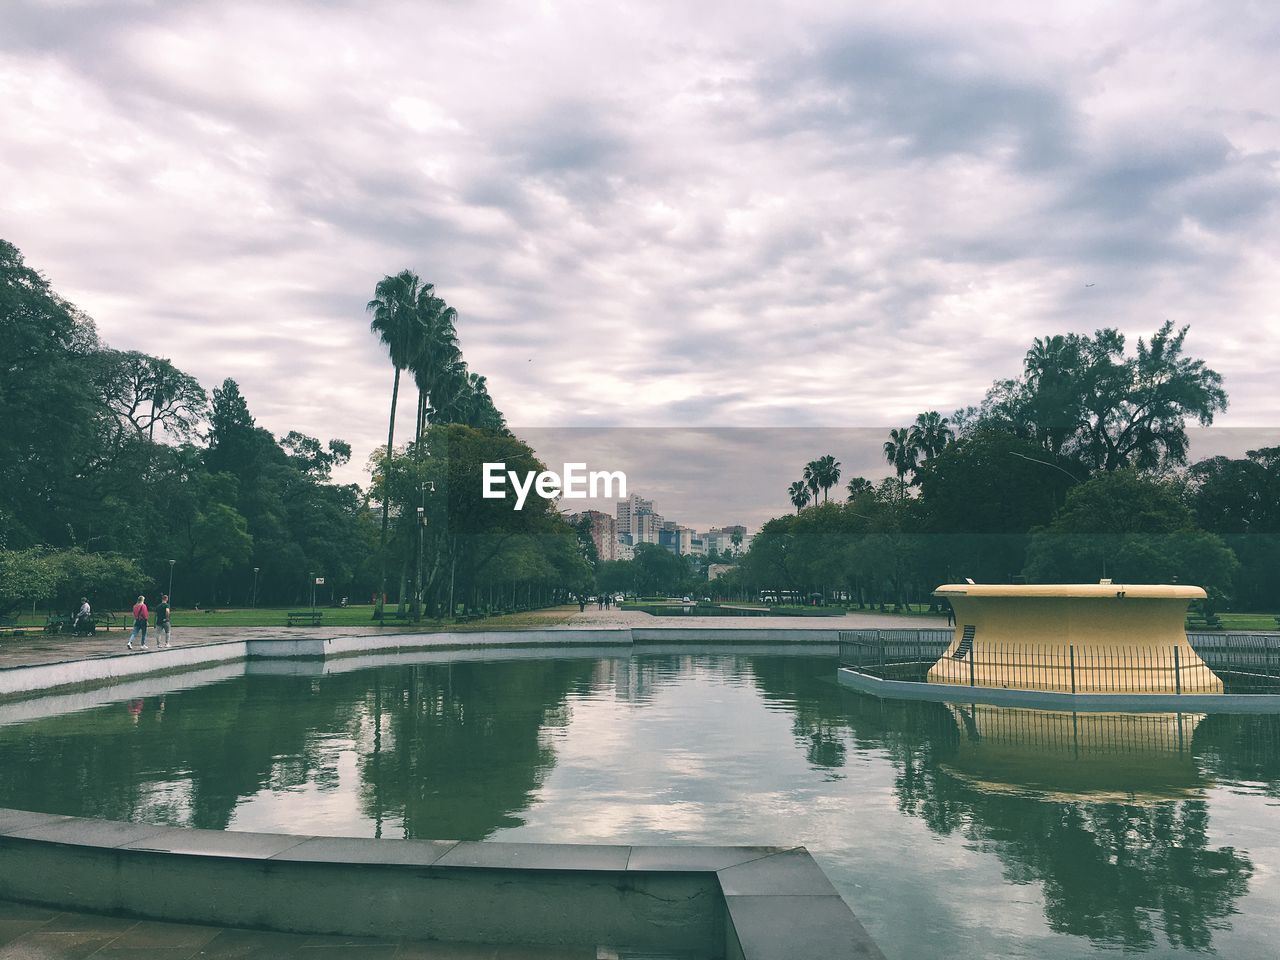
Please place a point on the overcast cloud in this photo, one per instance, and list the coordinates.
(647, 214)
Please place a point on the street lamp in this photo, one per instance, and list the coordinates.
(312, 578)
(170, 594)
(254, 603)
(422, 525)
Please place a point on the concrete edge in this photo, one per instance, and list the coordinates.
(1048, 700)
(21, 681)
(649, 897)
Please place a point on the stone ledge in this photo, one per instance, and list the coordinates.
(752, 903)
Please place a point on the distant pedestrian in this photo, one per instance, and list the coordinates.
(162, 621)
(84, 618)
(582, 604)
(951, 614)
(140, 615)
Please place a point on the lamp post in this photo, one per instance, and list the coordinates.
(312, 578)
(422, 526)
(254, 602)
(170, 594)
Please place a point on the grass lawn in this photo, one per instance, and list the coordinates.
(357, 616)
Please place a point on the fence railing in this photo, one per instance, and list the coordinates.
(1234, 663)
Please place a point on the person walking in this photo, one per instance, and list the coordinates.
(162, 621)
(140, 615)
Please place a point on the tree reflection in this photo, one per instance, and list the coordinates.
(1114, 872)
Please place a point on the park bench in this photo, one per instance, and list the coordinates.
(1200, 621)
(310, 617)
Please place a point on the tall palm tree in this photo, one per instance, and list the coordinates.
(812, 477)
(827, 469)
(901, 451)
(799, 494)
(394, 309)
(931, 433)
(437, 350)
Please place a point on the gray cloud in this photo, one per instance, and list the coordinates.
(654, 215)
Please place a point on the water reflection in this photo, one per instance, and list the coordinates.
(1105, 811)
(1111, 818)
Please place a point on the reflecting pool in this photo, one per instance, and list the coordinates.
(951, 831)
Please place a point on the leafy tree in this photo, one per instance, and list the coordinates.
(49, 429)
(1130, 528)
(1083, 396)
(1239, 499)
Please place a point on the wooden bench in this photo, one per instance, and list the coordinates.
(311, 617)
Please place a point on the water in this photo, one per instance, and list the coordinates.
(956, 832)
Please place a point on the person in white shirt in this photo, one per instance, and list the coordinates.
(83, 616)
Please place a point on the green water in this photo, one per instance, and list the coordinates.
(952, 833)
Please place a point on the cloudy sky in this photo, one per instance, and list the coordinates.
(721, 214)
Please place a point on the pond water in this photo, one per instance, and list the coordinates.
(957, 832)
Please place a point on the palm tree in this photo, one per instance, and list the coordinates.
(437, 350)
(931, 433)
(394, 306)
(901, 451)
(857, 486)
(813, 478)
(799, 494)
(827, 469)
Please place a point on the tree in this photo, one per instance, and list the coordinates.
(901, 451)
(930, 434)
(1239, 499)
(52, 414)
(1130, 528)
(143, 391)
(1082, 396)
(231, 431)
(395, 321)
(826, 471)
(799, 494)
(857, 487)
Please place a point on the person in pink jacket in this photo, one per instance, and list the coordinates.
(140, 614)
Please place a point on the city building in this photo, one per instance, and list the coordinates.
(604, 532)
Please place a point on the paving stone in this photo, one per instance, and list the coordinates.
(434, 950)
(88, 833)
(693, 858)
(537, 856)
(218, 843)
(56, 945)
(11, 930)
(359, 850)
(151, 933)
(799, 928)
(793, 873)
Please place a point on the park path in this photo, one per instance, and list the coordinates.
(35, 647)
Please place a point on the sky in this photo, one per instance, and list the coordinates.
(657, 219)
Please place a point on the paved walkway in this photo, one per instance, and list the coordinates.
(38, 933)
(37, 647)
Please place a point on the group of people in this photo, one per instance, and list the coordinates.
(141, 616)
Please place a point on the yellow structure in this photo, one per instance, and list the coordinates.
(1073, 638)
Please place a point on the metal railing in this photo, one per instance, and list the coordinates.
(1234, 663)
